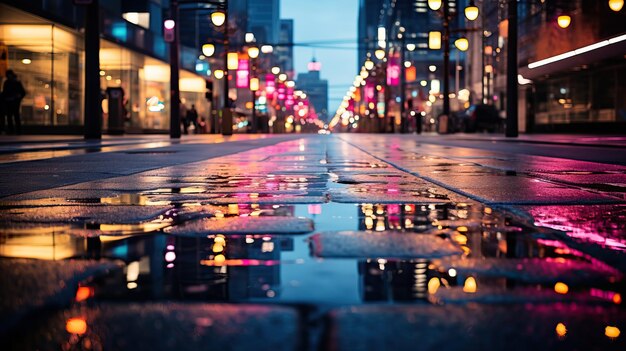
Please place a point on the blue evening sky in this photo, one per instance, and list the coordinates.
(329, 23)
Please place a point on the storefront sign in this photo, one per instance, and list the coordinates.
(243, 74)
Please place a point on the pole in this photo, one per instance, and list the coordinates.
(446, 59)
(174, 75)
(227, 119)
(253, 115)
(403, 117)
(511, 73)
(482, 57)
(93, 112)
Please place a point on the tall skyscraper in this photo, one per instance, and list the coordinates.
(285, 52)
(264, 20)
(316, 88)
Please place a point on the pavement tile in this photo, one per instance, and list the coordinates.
(475, 327)
(27, 286)
(539, 194)
(535, 270)
(164, 326)
(518, 295)
(83, 214)
(244, 225)
(361, 244)
(368, 194)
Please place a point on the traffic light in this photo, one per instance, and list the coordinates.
(169, 30)
(209, 91)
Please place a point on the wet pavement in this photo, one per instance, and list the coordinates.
(341, 242)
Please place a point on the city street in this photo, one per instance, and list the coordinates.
(313, 242)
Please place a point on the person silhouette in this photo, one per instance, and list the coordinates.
(12, 93)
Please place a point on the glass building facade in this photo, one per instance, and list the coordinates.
(44, 47)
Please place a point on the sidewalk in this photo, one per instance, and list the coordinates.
(564, 139)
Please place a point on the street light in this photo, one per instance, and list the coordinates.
(434, 40)
(275, 70)
(564, 21)
(410, 47)
(462, 44)
(218, 18)
(253, 52)
(616, 5)
(208, 50)
(471, 11)
(434, 4)
(369, 64)
(218, 74)
(379, 53)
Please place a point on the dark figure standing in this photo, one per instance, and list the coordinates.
(12, 93)
(192, 117)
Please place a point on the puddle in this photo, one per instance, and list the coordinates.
(271, 268)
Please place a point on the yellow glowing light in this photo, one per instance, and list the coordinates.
(233, 60)
(434, 40)
(208, 50)
(564, 21)
(460, 239)
(254, 84)
(26, 61)
(616, 5)
(218, 74)
(380, 54)
(433, 285)
(561, 330)
(561, 288)
(218, 248)
(471, 12)
(220, 240)
(611, 332)
(488, 210)
(275, 70)
(83, 293)
(462, 44)
(282, 77)
(76, 326)
(470, 285)
(218, 18)
(219, 259)
(435, 4)
(369, 64)
(233, 209)
(253, 52)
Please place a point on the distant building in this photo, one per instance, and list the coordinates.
(315, 88)
(285, 52)
(264, 20)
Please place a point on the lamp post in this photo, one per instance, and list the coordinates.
(171, 28)
(253, 53)
(511, 73)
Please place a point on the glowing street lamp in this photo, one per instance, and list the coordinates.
(616, 5)
(410, 47)
(233, 60)
(218, 18)
(462, 44)
(564, 21)
(471, 11)
(254, 84)
(218, 74)
(208, 50)
(275, 70)
(380, 54)
(434, 4)
(434, 40)
(253, 52)
(369, 64)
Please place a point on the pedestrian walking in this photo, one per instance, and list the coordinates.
(12, 94)
(183, 118)
(192, 118)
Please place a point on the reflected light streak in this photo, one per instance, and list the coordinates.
(611, 332)
(76, 325)
(470, 285)
(561, 288)
(561, 330)
(83, 293)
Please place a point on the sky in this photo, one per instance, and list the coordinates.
(326, 21)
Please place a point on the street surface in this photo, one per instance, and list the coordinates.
(313, 242)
